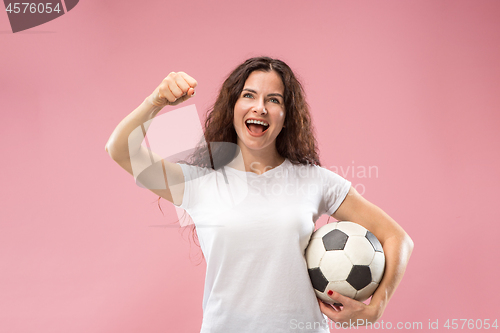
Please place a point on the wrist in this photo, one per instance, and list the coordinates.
(377, 308)
(153, 107)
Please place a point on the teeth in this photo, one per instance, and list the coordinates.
(251, 121)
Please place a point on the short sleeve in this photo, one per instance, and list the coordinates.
(193, 176)
(335, 189)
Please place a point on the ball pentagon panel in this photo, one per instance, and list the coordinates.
(318, 280)
(359, 277)
(335, 240)
(324, 230)
(374, 241)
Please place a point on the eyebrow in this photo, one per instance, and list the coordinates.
(253, 91)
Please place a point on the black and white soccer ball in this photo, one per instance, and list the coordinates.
(345, 257)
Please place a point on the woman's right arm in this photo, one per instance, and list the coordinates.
(124, 145)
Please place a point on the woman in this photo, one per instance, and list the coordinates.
(254, 193)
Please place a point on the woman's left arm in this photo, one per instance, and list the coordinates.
(397, 247)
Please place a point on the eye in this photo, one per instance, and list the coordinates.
(247, 95)
(275, 100)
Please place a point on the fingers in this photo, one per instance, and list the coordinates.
(339, 298)
(336, 307)
(189, 80)
(339, 302)
(180, 84)
(332, 312)
(174, 89)
(350, 310)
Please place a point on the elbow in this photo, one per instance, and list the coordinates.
(109, 150)
(106, 148)
(408, 244)
(404, 242)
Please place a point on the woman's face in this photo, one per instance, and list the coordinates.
(260, 101)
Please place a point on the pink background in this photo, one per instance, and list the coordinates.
(409, 87)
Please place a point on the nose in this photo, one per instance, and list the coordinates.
(260, 109)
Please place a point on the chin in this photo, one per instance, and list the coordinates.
(253, 145)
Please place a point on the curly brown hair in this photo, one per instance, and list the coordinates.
(296, 141)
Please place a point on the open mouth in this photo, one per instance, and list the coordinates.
(257, 127)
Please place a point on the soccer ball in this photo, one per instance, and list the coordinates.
(347, 258)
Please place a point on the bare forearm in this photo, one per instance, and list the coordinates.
(121, 144)
(397, 251)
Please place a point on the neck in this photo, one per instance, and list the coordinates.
(256, 161)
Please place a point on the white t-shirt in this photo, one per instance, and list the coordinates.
(253, 230)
